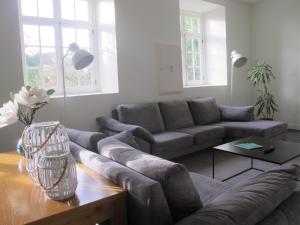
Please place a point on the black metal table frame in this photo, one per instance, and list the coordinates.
(244, 171)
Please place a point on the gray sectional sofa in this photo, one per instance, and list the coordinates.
(175, 128)
(161, 192)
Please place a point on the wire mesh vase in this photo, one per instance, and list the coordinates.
(57, 175)
(46, 138)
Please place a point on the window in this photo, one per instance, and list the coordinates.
(203, 36)
(193, 49)
(48, 27)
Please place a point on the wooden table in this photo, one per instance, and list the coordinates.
(23, 202)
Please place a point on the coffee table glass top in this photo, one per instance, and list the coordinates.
(284, 151)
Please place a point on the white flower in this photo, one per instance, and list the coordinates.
(32, 97)
(9, 114)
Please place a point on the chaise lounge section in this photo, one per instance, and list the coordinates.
(176, 128)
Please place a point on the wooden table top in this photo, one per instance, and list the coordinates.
(23, 201)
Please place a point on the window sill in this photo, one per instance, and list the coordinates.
(83, 94)
(205, 85)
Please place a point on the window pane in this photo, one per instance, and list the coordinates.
(67, 9)
(46, 8)
(188, 23)
(85, 77)
(189, 46)
(197, 59)
(107, 41)
(107, 12)
(49, 77)
(83, 38)
(196, 45)
(32, 56)
(71, 78)
(68, 36)
(31, 35)
(47, 36)
(195, 25)
(33, 77)
(48, 57)
(197, 73)
(189, 59)
(29, 7)
(82, 10)
(190, 74)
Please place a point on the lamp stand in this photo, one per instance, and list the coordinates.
(64, 88)
(231, 86)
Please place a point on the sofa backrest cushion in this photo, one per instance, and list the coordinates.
(145, 115)
(238, 114)
(250, 201)
(182, 197)
(205, 110)
(146, 201)
(176, 114)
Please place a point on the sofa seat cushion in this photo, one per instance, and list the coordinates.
(203, 134)
(259, 128)
(171, 141)
(182, 197)
(144, 115)
(205, 111)
(250, 201)
(208, 188)
(176, 114)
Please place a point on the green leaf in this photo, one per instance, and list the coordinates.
(12, 96)
(50, 92)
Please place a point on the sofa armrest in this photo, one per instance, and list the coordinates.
(86, 139)
(239, 114)
(146, 202)
(116, 126)
(250, 201)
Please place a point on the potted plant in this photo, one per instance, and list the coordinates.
(261, 76)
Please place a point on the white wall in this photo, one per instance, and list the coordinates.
(276, 32)
(140, 24)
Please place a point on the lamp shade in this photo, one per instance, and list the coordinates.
(81, 59)
(238, 60)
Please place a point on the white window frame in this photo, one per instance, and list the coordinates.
(201, 36)
(58, 23)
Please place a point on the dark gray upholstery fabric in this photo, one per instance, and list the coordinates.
(286, 214)
(117, 127)
(127, 138)
(205, 111)
(145, 115)
(242, 114)
(260, 128)
(248, 202)
(86, 139)
(203, 134)
(208, 188)
(176, 114)
(182, 197)
(146, 203)
(171, 141)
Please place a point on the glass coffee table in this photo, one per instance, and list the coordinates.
(282, 152)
